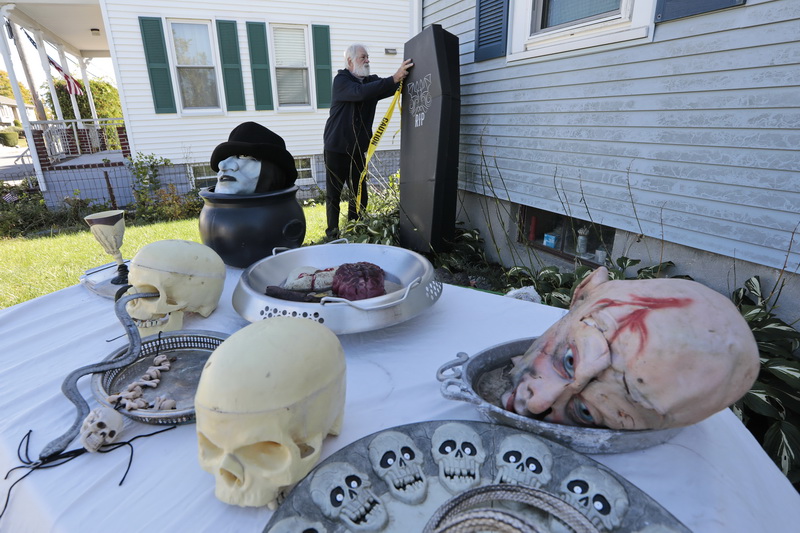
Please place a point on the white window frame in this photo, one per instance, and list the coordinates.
(173, 65)
(312, 97)
(632, 25)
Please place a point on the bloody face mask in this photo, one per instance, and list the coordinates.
(637, 354)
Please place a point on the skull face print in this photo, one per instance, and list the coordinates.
(398, 461)
(459, 452)
(344, 493)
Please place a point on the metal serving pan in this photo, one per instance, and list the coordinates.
(480, 380)
(410, 287)
(188, 351)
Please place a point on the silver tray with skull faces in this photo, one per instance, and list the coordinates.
(411, 287)
(482, 378)
(187, 351)
(427, 475)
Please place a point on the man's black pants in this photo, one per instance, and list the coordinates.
(341, 169)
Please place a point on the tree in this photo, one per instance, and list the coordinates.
(6, 89)
(106, 100)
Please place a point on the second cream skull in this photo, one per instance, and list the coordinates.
(188, 277)
(266, 399)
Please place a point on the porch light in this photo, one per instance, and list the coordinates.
(95, 32)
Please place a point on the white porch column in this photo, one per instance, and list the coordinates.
(62, 57)
(26, 69)
(46, 67)
(5, 51)
(84, 62)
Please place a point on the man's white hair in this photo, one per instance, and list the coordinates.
(352, 52)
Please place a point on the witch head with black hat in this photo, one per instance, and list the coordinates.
(254, 160)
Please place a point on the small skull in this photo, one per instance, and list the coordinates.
(102, 426)
(343, 493)
(459, 452)
(398, 461)
(597, 494)
(523, 460)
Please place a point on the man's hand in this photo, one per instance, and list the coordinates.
(402, 72)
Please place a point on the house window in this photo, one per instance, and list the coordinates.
(565, 236)
(554, 13)
(195, 67)
(291, 65)
(544, 27)
(303, 166)
(202, 175)
(538, 28)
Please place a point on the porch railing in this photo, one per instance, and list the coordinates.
(64, 139)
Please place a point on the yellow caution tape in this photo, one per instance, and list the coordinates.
(376, 138)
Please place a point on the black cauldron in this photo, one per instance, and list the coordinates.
(243, 228)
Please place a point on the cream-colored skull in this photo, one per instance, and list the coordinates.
(188, 277)
(101, 426)
(267, 397)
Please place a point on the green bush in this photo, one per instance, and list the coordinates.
(23, 212)
(9, 138)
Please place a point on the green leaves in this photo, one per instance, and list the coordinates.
(771, 409)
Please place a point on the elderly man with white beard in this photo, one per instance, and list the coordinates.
(348, 130)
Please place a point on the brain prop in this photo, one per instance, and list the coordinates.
(358, 281)
(637, 354)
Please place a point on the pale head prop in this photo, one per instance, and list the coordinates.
(188, 277)
(108, 228)
(253, 160)
(637, 354)
(267, 397)
(238, 174)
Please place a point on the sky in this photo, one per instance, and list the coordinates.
(100, 67)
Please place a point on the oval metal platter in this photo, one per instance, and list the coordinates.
(419, 476)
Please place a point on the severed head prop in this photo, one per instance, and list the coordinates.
(637, 354)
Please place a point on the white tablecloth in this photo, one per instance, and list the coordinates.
(713, 476)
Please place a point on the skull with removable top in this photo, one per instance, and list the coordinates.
(188, 277)
(266, 399)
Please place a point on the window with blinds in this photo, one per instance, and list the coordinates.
(194, 65)
(554, 13)
(291, 65)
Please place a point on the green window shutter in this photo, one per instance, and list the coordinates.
(231, 65)
(675, 9)
(491, 29)
(323, 67)
(155, 54)
(259, 65)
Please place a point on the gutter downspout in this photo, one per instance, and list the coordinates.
(5, 51)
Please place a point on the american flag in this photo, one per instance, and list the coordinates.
(72, 84)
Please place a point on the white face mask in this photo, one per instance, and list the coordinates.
(238, 175)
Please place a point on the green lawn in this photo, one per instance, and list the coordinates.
(32, 267)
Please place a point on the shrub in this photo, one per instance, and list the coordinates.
(9, 138)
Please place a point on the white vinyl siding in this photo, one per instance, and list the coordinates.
(192, 136)
(691, 138)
